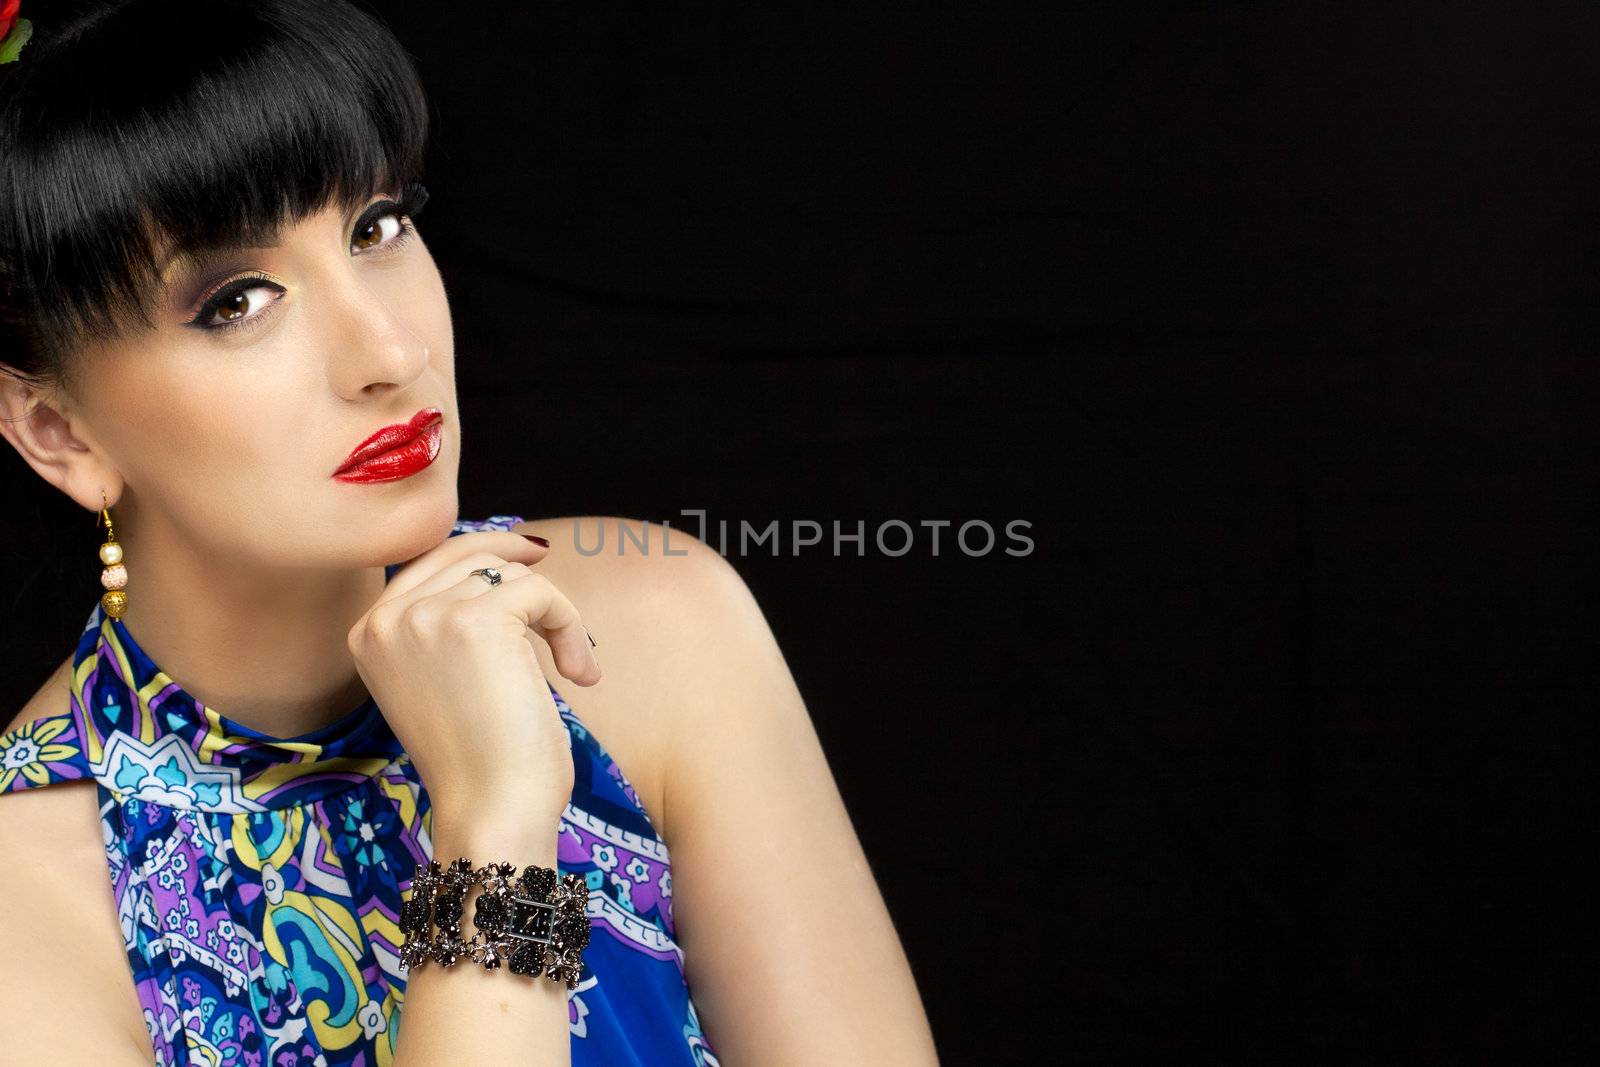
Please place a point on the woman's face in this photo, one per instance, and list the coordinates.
(222, 427)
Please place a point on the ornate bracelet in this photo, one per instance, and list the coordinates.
(534, 922)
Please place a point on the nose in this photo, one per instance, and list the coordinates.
(373, 350)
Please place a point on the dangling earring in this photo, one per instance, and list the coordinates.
(115, 576)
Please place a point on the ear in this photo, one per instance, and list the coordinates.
(39, 424)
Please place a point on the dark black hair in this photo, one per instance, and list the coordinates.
(137, 129)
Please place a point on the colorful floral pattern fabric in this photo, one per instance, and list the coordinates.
(259, 880)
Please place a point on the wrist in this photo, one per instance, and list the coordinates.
(493, 835)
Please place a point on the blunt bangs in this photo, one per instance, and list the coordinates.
(152, 128)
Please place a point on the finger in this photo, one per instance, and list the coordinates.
(573, 645)
(559, 623)
(541, 607)
(502, 543)
(457, 582)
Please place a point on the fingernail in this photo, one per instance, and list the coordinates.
(536, 539)
(592, 642)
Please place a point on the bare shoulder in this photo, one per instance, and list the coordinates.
(628, 560)
(700, 687)
(658, 602)
(59, 922)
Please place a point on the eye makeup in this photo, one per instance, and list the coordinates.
(222, 297)
(223, 300)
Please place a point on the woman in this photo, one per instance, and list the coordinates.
(224, 337)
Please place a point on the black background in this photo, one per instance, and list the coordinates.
(1277, 326)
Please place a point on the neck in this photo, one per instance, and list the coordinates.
(264, 646)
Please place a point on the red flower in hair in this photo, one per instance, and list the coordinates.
(14, 31)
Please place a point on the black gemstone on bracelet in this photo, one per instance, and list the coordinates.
(537, 882)
(414, 914)
(527, 958)
(447, 909)
(489, 914)
(573, 931)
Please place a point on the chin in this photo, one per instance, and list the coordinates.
(407, 524)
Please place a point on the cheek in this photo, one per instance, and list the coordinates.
(183, 421)
(201, 449)
(163, 409)
(432, 305)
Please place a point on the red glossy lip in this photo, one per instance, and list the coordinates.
(389, 437)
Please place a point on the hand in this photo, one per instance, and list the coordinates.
(450, 661)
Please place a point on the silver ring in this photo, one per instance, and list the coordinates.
(489, 574)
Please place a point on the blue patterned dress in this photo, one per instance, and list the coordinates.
(259, 880)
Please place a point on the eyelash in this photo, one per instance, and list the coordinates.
(405, 209)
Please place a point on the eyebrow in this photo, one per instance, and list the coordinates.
(179, 267)
(222, 249)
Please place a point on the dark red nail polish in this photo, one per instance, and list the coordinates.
(536, 539)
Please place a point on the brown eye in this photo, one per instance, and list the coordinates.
(231, 307)
(380, 230)
(234, 306)
(243, 303)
